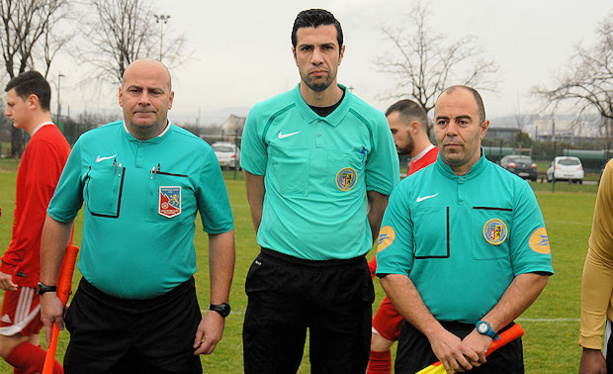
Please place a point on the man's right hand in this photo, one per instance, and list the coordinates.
(51, 310)
(6, 282)
(592, 362)
(452, 352)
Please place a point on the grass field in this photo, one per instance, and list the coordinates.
(551, 324)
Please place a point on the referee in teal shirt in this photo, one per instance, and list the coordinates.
(319, 165)
(463, 249)
(143, 181)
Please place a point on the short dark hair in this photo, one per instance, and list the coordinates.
(31, 83)
(476, 95)
(314, 18)
(410, 111)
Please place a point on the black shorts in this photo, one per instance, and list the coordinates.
(287, 295)
(608, 353)
(111, 335)
(414, 351)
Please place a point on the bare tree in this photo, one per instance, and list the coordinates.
(122, 31)
(588, 85)
(27, 27)
(425, 63)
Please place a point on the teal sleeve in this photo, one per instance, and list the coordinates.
(254, 156)
(213, 203)
(395, 245)
(382, 168)
(530, 251)
(68, 196)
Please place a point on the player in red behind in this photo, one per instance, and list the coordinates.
(27, 105)
(408, 122)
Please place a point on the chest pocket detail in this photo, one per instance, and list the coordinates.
(491, 232)
(431, 232)
(291, 169)
(104, 190)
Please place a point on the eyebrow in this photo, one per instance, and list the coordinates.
(462, 116)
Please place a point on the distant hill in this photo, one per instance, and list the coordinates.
(207, 119)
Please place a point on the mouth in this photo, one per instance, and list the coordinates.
(318, 73)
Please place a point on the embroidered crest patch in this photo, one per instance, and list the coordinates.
(495, 231)
(169, 204)
(539, 241)
(386, 238)
(346, 179)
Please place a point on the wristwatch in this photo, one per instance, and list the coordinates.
(41, 288)
(484, 328)
(223, 309)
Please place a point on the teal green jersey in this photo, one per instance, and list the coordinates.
(141, 199)
(462, 239)
(317, 172)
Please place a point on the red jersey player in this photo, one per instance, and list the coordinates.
(27, 105)
(408, 122)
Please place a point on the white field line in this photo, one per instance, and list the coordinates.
(548, 319)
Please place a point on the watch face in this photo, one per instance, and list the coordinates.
(482, 327)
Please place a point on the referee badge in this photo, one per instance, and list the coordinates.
(386, 237)
(495, 231)
(539, 241)
(346, 179)
(169, 202)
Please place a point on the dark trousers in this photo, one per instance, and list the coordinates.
(414, 352)
(609, 347)
(287, 296)
(111, 335)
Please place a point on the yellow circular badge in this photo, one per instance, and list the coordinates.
(495, 231)
(539, 241)
(386, 238)
(346, 179)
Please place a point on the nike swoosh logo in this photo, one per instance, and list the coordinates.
(98, 159)
(283, 136)
(422, 198)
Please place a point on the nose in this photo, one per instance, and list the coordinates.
(317, 57)
(144, 99)
(7, 112)
(452, 129)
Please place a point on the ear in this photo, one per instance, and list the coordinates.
(414, 126)
(170, 99)
(484, 127)
(341, 54)
(33, 102)
(294, 54)
(120, 97)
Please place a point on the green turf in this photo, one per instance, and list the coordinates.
(551, 324)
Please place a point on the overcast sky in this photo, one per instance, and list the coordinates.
(241, 50)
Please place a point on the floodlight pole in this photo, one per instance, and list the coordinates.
(161, 19)
(59, 104)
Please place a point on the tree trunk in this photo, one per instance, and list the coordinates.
(17, 142)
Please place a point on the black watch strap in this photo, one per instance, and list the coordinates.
(223, 309)
(41, 288)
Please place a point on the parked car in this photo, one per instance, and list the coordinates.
(228, 154)
(522, 166)
(565, 168)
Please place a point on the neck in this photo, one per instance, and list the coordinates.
(420, 146)
(37, 120)
(146, 133)
(327, 97)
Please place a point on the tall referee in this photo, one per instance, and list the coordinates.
(314, 158)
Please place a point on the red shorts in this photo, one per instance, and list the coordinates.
(387, 320)
(20, 313)
(372, 266)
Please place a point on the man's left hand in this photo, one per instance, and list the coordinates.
(209, 333)
(6, 282)
(478, 343)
